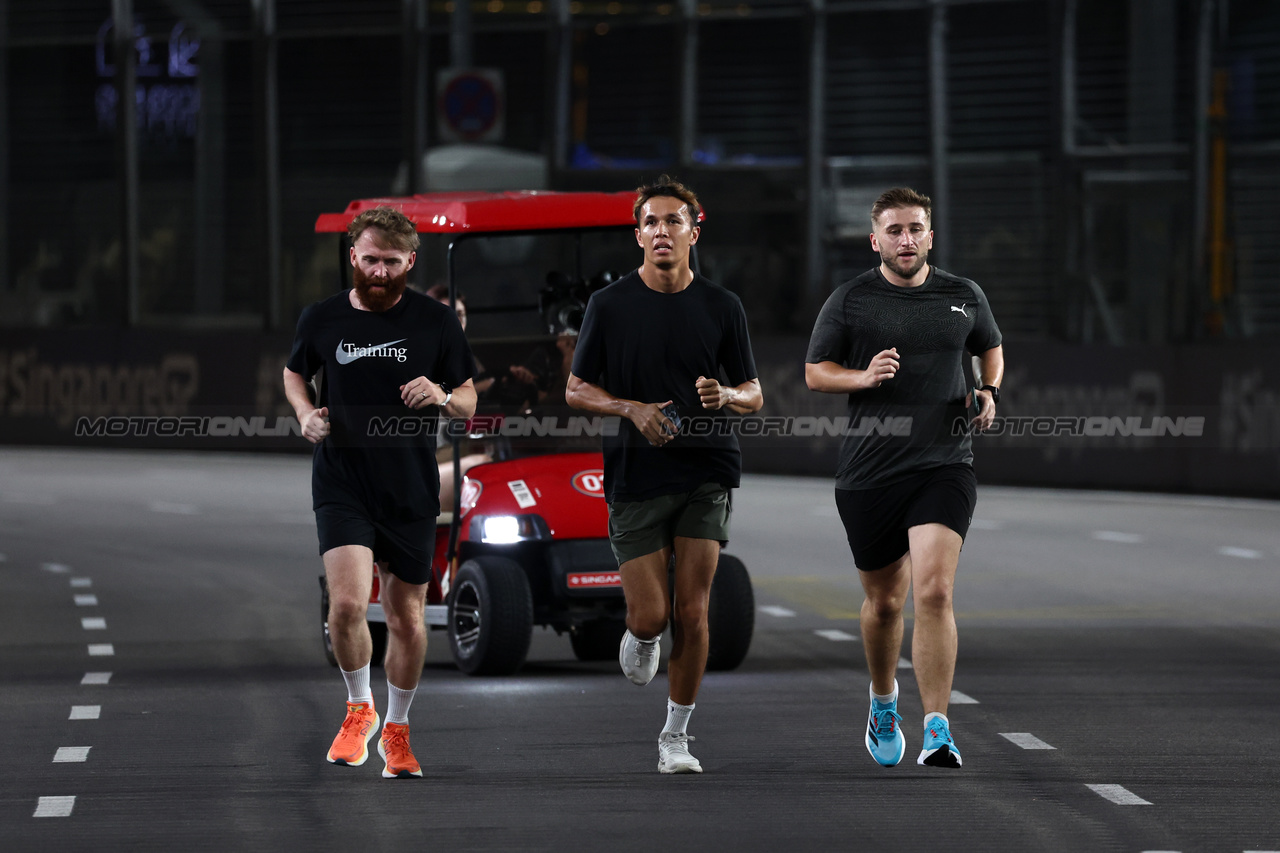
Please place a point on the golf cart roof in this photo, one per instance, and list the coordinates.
(493, 212)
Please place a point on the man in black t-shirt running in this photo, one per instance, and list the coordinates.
(387, 353)
(652, 349)
(894, 340)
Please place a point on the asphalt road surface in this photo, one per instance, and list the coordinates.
(164, 688)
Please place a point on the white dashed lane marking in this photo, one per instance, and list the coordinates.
(1242, 553)
(1026, 740)
(56, 568)
(958, 698)
(903, 663)
(96, 678)
(71, 754)
(54, 807)
(101, 650)
(780, 612)
(1118, 794)
(86, 600)
(173, 508)
(81, 583)
(85, 712)
(93, 623)
(836, 635)
(1117, 536)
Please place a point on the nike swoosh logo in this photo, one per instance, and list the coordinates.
(348, 357)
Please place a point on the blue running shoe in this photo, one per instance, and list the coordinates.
(884, 733)
(939, 749)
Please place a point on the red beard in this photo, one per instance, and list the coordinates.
(379, 298)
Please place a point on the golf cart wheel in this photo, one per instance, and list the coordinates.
(377, 632)
(731, 615)
(598, 639)
(490, 617)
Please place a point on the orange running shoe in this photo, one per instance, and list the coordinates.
(351, 746)
(394, 748)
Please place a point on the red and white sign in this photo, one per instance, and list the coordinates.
(594, 580)
(590, 482)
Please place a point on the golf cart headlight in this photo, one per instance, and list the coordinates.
(507, 529)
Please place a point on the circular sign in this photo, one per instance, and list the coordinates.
(590, 483)
(471, 105)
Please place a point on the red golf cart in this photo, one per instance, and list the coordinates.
(525, 541)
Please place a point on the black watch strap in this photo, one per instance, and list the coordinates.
(995, 392)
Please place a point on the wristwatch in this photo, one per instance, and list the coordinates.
(448, 394)
(995, 392)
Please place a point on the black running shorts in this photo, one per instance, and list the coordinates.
(406, 547)
(876, 520)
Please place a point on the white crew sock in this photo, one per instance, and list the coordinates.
(357, 684)
(677, 717)
(886, 700)
(929, 717)
(398, 702)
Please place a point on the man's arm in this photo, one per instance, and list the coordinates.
(461, 405)
(314, 422)
(743, 399)
(647, 417)
(988, 370)
(831, 378)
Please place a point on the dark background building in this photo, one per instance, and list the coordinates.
(1106, 169)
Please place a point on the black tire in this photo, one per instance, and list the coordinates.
(731, 615)
(377, 632)
(598, 639)
(490, 617)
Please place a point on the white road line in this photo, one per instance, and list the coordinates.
(1242, 553)
(54, 807)
(86, 600)
(96, 678)
(986, 524)
(903, 663)
(1117, 536)
(81, 583)
(93, 623)
(1118, 794)
(958, 698)
(97, 650)
(836, 635)
(780, 612)
(71, 754)
(56, 568)
(1026, 740)
(85, 712)
(173, 508)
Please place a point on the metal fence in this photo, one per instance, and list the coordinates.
(1105, 169)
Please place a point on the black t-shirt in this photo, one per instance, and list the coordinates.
(640, 344)
(379, 452)
(932, 326)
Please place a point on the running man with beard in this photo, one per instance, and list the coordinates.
(388, 353)
(651, 351)
(894, 340)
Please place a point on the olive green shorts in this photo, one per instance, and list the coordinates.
(637, 528)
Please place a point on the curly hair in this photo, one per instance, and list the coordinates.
(396, 229)
(667, 186)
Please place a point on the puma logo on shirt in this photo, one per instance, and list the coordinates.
(960, 309)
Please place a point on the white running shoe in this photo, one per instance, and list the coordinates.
(673, 754)
(639, 658)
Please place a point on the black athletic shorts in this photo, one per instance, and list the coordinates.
(407, 547)
(876, 520)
